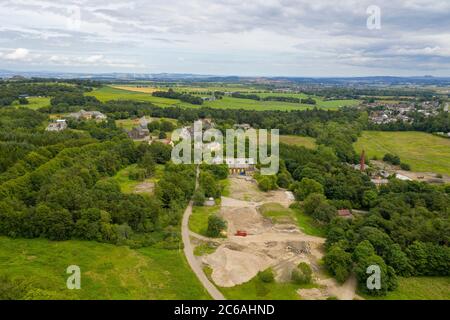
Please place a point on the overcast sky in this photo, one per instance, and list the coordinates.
(227, 37)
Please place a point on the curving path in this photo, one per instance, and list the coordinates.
(189, 253)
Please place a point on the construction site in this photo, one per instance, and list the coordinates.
(254, 243)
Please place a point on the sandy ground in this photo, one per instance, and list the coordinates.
(145, 187)
(279, 246)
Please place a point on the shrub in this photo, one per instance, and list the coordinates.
(302, 274)
(266, 276)
(215, 226)
(405, 166)
(199, 197)
(137, 174)
(392, 159)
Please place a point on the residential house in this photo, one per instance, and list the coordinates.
(241, 166)
(58, 125)
(243, 126)
(345, 213)
(88, 115)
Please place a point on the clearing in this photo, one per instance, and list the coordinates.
(128, 185)
(300, 141)
(424, 152)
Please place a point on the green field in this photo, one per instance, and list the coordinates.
(419, 288)
(129, 124)
(108, 93)
(424, 152)
(107, 271)
(276, 212)
(36, 103)
(198, 222)
(248, 104)
(306, 142)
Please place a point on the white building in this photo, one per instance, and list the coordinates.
(58, 125)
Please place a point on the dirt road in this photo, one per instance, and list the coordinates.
(192, 260)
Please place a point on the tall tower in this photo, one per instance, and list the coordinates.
(362, 161)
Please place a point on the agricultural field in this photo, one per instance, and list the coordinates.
(248, 104)
(107, 271)
(132, 93)
(419, 288)
(109, 93)
(422, 151)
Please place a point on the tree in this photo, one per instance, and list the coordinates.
(161, 152)
(306, 187)
(210, 185)
(398, 260)
(324, 212)
(147, 162)
(312, 202)
(369, 198)
(338, 262)
(388, 280)
(166, 126)
(215, 226)
(199, 197)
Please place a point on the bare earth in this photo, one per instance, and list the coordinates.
(279, 246)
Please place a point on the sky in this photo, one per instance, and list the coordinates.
(316, 38)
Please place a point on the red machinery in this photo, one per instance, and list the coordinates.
(241, 233)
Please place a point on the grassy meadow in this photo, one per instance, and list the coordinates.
(277, 213)
(35, 103)
(424, 152)
(107, 271)
(198, 222)
(419, 288)
(306, 142)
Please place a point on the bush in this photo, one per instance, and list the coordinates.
(266, 276)
(215, 226)
(137, 174)
(199, 198)
(405, 166)
(302, 274)
(392, 159)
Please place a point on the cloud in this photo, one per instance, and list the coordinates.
(229, 36)
(18, 54)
